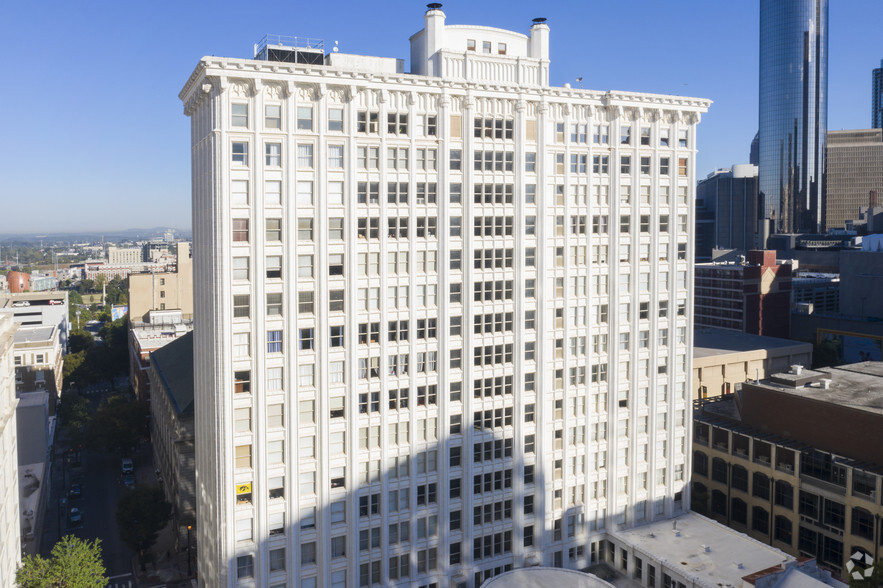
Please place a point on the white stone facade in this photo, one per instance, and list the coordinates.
(442, 327)
(10, 525)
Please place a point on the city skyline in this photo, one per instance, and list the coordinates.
(141, 69)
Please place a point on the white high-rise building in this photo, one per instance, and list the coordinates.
(442, 318)
(10, 521)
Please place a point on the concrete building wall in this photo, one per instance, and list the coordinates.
(861, 282)
(164, 290)
(719, 374)
(10, 525)
(854, 170)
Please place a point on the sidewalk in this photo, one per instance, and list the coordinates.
(168, 557)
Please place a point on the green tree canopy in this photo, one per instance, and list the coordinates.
(74, 563)
(141, 514)
(118, 424)
(80, 340)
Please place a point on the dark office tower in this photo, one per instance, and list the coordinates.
(793, 112)
(877, 97)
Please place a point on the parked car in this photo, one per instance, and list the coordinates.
(75, 516)
(129, 480)
(128, 466)
(20, 303)
(56, 302)
(75, 492)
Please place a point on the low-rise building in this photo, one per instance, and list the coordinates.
(796, 461)
(172, 434)
(722, 359)
(39, 359)
(124, 255)
(40, 308)
(689, 550)
(10, 527)
(161, 328)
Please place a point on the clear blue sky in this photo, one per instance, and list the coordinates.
(96, 139)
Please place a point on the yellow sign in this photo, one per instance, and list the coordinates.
(243, 488)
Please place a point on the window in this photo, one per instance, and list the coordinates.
(760, 519)
(682, 166)
(240, 115)
(274, 341)
(240, 268)
(273, 228)
(625, 164)
(277, 559)
(243, 456)
(664, 163)
(245, 566)
(335, 119)
(305, 266)
(240, 230)
(239, 193)
(305, 155)
(304, 228)
(273, 154)
(274, 266)
(273, 116)
(456, 159)
(530, 162)
(305, 118)
(397, 124)
(335, 157)
(241, 306)
(367, 122)
(273, 192)
(304, 196)
(274, 304)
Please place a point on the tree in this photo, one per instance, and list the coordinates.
(141, 514)
(118, 424)
(74, 563)
(80, 340)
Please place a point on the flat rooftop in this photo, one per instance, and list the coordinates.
(858, 385)
(708, 342)
(708, 553)
(35, 334)
(7, 300)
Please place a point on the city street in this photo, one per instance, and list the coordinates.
(99, 476)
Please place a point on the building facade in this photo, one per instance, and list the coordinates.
(171, 410)
(752, 296)
(423, 307)
(766, 468)
(10, 524)
(854, 174)
(124, 255)
(723, 360)
(793, 113)
(726, 211)
(164, 290)
(877, 97)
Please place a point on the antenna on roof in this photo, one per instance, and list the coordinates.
(579, 81)
(335, 49)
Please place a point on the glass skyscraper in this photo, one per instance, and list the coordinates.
(793, 112)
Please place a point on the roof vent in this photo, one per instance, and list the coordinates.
(540, 20)
(434, 6)
(706, 548)
(826, 383)
(797, 369)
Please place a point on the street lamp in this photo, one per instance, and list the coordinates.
(188, 552)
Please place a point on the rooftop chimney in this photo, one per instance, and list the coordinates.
(539, 39)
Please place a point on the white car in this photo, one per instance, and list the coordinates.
(20, 303)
